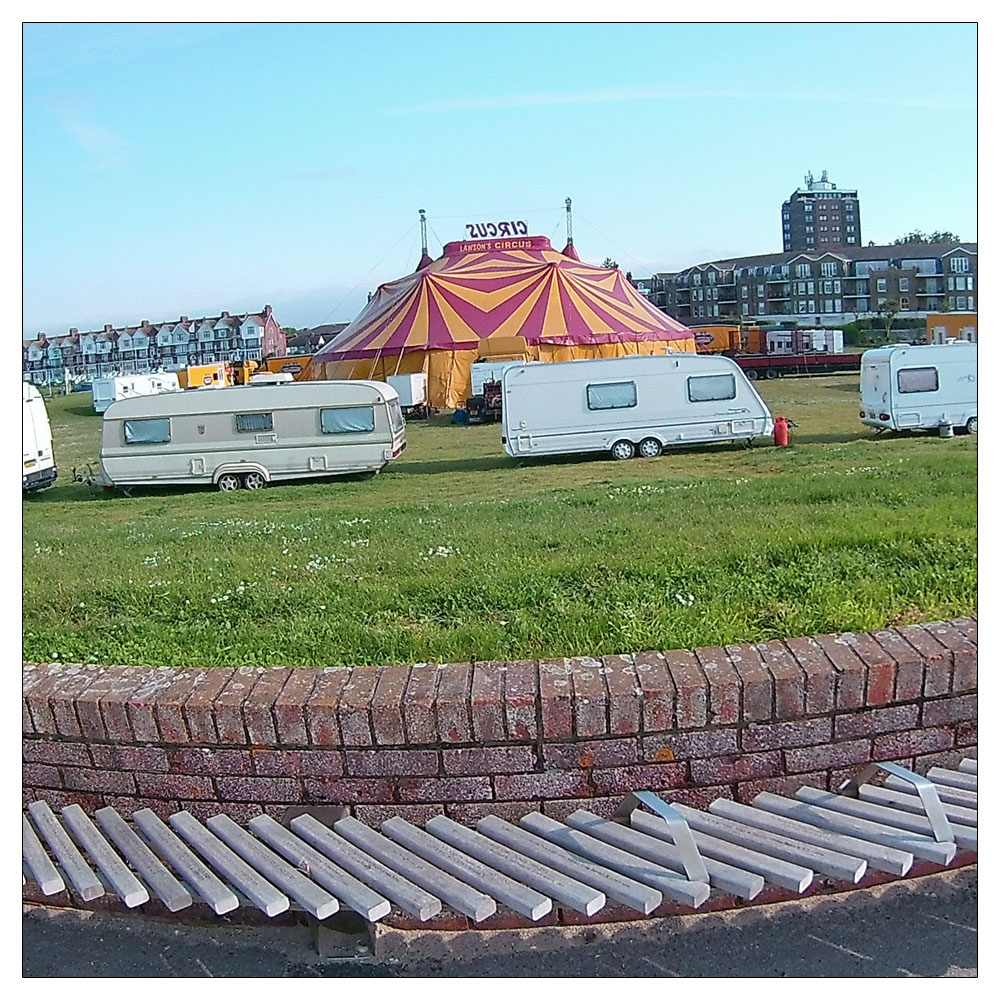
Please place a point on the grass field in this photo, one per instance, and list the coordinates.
(457, 552)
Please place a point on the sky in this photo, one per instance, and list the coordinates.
(181, 168)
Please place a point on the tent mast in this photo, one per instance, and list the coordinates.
(569, 250)
(425, 257)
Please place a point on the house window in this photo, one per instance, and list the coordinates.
(703, 388)
(917, 379)
(347, 420)
(744, 291)
(972, 302)
(836, 285)
(852, 239)
(801, 270)
(829, 268)
(904, 303)
(155, 431)
(960, 264)
(960, 302)
(862, 305)
(810, 287)
(880, 285)
(251, 423)
(611, 396)
(837, 305)
(760, 291)
(904, 284)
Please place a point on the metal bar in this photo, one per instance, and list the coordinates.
(672, 885)
(130, 890)
(909, 801)
(740, 883)
(471, 902)
(773, 870)
(566, 891)
(321, 869)
(878, 833)
(614, 885)
(924, 788)
(966, 837)
(254, 886)
(392, 885)
(79, 873)
(680, 834)
(262, 859)
(951, 796)
(189, 866)
(49, 880)
(505, 890)
(969, 765)
(164, 886)
(954, 779)
(833, 863)
(883, 859)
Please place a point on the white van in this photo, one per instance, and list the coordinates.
(636, 405)
(250, 435)
(926, 386)
(39, 464)
(109, 390)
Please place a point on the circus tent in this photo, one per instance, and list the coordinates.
(496, 299)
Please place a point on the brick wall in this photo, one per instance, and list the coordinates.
(505, 738)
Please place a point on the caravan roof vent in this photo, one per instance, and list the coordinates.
(270, 378)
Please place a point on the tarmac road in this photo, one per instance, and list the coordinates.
(924, 927)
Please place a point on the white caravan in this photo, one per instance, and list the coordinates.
(927, 386)
(636, 405)
(39, 463)
(250, 435)
(106, 391)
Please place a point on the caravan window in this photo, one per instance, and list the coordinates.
(156, 431)
(611, 396)
(347, 420)
(254, 422)
(917, 379)
(702, 388)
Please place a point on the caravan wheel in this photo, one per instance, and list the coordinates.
(650, 448)
(621, 450)
(253, 481)
(228, 482)
(972, 427)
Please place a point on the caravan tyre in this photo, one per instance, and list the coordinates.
(621, 450)
(254, 481)
(228, 482)
(972, 427)
(650, 448)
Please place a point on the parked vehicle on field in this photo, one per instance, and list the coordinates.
(927, 386)
(412, 391)
(486, 401)
(248, 436)
(636, 405)
(199, 376)
(38, 461)
(106, 391)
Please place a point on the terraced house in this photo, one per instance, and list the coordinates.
(823, 288)
(150, 346)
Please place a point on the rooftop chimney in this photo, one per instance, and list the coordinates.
(267, 310)
(225, 315)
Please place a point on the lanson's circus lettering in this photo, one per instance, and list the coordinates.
(482, 230)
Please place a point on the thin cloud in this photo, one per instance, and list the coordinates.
(619, 94)
(100, 143)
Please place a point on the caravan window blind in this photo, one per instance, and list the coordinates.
(156, 431)
(347, 420)
(917, 379)
(254, 422)
(611, 396)
(702, 388)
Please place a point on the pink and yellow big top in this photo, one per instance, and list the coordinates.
(497, 300)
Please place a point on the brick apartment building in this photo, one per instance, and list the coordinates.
(821, 217)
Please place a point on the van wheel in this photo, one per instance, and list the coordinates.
(972, 427)
(650, 448)
(228, 482)
(771, 373)
(253, 481)
(751, 373)
(621, 450)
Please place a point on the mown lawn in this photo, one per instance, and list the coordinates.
(457, 552)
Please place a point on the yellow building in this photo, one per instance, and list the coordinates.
(952, 325)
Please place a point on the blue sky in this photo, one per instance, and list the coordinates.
(190, 168)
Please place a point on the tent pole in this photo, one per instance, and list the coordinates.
(399, 361)
(378, 354)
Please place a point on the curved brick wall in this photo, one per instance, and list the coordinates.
(469, 739)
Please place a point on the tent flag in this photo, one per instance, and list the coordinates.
(515, 297)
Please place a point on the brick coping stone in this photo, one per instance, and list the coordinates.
(507, 738)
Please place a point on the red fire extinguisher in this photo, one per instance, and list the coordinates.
(781, 432)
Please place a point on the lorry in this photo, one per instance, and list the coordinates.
(38, 460)
(199, 376)
(250, 435)
(106, 391)
(630, 406)
(922, 387)
(486, 401)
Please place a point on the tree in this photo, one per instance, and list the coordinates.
(888, 311)
(918, 236)
(608, 262)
